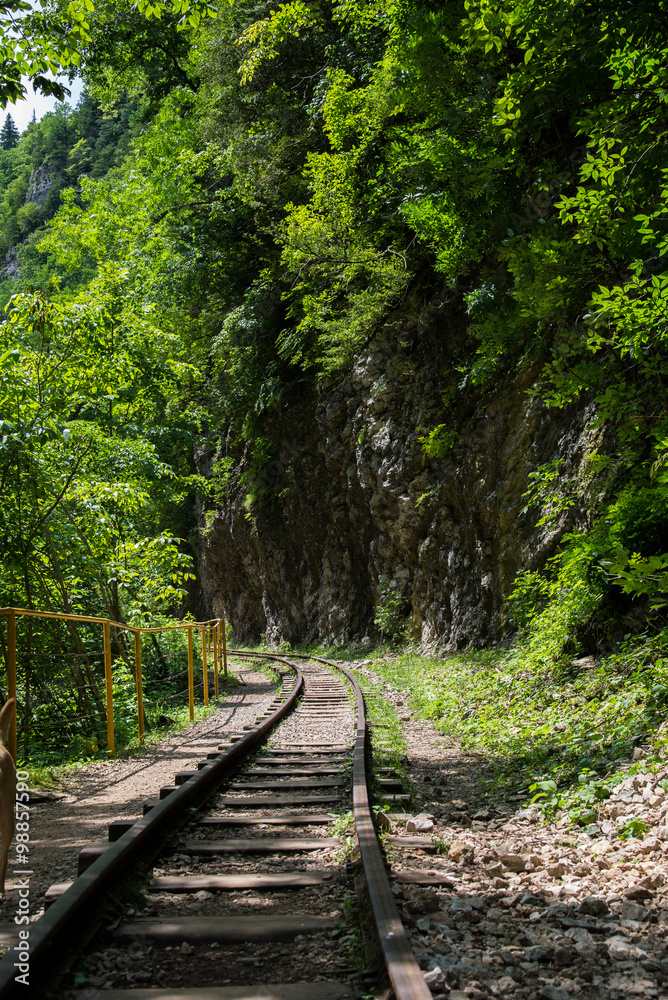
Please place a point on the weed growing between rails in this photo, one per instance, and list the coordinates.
(387, 738)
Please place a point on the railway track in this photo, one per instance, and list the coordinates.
(243, 880)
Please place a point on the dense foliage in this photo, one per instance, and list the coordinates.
(263, 189)
(95, 473)
(39, 44)
(51, 156)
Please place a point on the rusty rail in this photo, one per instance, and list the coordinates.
(53, 930)
(402, 967)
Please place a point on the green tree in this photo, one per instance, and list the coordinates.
(42, 44)
(9, 134)
(79, 483)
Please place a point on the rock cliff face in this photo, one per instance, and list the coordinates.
(40, 183)
(355, 503)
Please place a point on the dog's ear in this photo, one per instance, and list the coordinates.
(6, 716)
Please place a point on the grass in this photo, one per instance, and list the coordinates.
(564, 730)
(260, 666)
(558, 722)
(51, 775)
(387, 738)
(41, 777)
(574, 726)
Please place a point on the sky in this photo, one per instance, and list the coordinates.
(21, 112)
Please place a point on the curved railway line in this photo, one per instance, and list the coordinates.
(246, 838)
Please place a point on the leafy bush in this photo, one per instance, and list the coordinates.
(529, 596)
(390, 617)
(633, 827)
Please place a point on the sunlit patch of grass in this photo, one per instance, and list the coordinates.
(574, 722)
(562, 721)
(42, 777)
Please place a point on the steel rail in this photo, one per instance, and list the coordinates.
(404, 972)
(47, 933)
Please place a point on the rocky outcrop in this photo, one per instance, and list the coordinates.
(40, 183)
(351, 502)
(11, 265)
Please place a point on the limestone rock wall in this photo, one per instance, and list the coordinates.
(352, 500)
(40, 183)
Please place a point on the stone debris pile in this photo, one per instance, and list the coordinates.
(639, 796)
(528, 910)
(531, 910)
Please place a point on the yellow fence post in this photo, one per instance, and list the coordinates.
(205, 669)
(109, 688)
(11, 679)
(140, 693)
(214, 646)
(191, 683)
(214, 643)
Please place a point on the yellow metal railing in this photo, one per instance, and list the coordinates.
(211, 633)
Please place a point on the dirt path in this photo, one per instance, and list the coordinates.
(532, 910)
(114, 789)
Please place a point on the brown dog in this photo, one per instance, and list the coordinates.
(7, 790)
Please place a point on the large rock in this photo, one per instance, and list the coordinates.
(513, 862)
(420, 824)
(350, 500)
(462, 852)
(40, 183)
